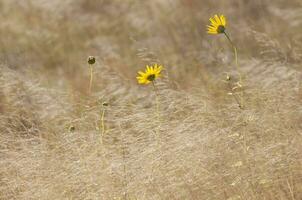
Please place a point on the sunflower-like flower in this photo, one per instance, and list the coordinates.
(151, 73)
(217, 25)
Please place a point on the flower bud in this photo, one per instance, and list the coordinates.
(91, 60)
(71, 128)
(228, 78)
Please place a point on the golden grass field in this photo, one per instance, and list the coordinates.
(198, 144)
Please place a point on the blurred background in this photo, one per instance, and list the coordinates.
(208, 147)
(54, 38)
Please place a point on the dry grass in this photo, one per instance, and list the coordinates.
(204, 147)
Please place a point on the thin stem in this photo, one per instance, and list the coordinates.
(157, 113)
(237, 66)
(102, 124)
(91, 78)
(234, 95)
(235, 52)
(157, 101)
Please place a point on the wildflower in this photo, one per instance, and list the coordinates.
(149, 76)
(151, 73)
(217, 25)
(91, 60)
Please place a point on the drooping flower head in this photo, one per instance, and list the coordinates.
(217, 25)
(151, 73)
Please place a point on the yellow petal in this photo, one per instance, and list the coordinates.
(148, 68)
(217, 20)
(141, 73)
(151, 69)
(139, 78)
(213, 22)
(159, 68)
(223, 20)
(210, 32)
(212, 29)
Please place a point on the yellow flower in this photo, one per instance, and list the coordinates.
(151, 73)
(217, 25)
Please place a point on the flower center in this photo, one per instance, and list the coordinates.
(220, 29)
(151, 77)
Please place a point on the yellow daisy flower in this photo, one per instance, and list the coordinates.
(151, 73)
(217, 25)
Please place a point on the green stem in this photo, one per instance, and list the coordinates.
(235, 51)
(237, 65)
